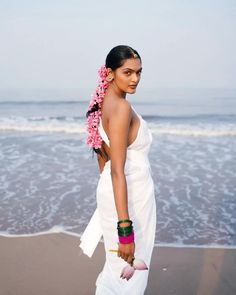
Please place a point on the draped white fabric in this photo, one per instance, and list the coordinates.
(92, 235)
(142, 211)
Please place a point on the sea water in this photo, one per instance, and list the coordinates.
(48, 175)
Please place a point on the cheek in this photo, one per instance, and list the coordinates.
(124, 80)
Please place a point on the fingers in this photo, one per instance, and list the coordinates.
(123, 256)
(126, 257)
(130, 259)
(126, 252)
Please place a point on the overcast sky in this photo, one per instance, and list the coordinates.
(61, 43)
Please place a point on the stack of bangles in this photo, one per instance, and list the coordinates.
(126, 233)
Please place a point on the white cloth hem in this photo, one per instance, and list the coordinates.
(91, 235)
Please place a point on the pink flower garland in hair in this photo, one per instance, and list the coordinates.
(94, 139)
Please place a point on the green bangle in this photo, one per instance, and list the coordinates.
(124, 220)
(124, 234)
(127, 228)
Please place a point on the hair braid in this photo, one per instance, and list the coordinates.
(93, 113)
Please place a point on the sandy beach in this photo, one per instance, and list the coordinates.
(51, 264)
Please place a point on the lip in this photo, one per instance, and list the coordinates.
(133, 86)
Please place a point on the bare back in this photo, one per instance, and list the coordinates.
(107, 109)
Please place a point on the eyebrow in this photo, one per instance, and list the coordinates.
(133, 70)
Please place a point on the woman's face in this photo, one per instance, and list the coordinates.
(127, 77)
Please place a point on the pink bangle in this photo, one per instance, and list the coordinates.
(127, 239)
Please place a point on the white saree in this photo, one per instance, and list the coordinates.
(142, 211)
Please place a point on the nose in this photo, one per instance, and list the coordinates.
(135, 78)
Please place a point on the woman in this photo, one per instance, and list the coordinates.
(126, 207)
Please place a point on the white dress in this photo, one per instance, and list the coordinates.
(142, 211)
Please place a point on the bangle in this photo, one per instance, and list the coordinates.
(124, 220)
(127, 239)
(124, 234)
(125, 229)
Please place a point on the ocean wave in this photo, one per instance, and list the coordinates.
(42, 124)
(47, 184)
(196, 131)
(76, 125)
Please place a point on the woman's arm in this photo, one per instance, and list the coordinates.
(118, 132)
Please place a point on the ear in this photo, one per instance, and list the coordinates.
(109, 71)
(110, 75)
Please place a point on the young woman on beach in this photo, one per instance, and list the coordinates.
(126, 204)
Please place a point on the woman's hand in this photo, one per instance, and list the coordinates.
(126, 251)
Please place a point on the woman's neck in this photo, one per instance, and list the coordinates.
(115, 91)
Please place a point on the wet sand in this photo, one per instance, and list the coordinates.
(51, 264)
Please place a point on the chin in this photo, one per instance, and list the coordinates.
(131, 91)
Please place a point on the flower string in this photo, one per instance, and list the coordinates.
(94, 140)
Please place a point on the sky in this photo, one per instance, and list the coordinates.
(61, 43)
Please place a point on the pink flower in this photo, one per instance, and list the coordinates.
(128, 271)
(94, 139)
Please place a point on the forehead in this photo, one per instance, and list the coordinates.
(132, 63)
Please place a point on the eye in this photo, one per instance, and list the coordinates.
(128, 73)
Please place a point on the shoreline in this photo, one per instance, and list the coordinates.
(58, 230)
(53, 264)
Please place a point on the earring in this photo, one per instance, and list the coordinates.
(109, 78)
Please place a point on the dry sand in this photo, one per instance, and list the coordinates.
(50, 264)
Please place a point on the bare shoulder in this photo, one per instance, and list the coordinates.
(119, 123)
(122, 108)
